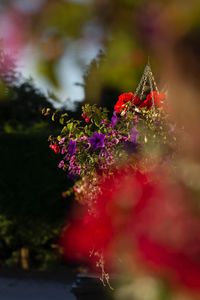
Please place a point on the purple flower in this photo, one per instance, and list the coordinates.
(72, 147)
(134, 135)
(74, 167)
(131, 145)
(97, 140)
(114, 119)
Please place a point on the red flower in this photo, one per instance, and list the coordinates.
(85, 117)
(99, 231)
(55, 148)
(146, 218)
(153, 97)
(87, 120)
(136, 100)
(83, 236)
(124, 98)
(167, 235)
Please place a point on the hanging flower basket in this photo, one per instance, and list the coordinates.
(92, 147)
(118, 166)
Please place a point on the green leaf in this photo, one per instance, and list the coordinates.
(64, 130)
(63, 119)
(53, 117)
(70, 126)
(46, 111)
(59, 137)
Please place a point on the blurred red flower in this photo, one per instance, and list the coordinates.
(155, 98)
(145, 217)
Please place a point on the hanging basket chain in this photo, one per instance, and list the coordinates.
(147, 78)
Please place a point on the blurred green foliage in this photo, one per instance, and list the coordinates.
(127, 30)
(32, 209)
(109, 25)
(66, 18)
(20, 108)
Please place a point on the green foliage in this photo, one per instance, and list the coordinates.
(21, 111)
(32, 209)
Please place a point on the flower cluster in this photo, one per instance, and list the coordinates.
(154, 98)
(93, 145)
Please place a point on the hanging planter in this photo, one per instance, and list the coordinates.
(113, 165)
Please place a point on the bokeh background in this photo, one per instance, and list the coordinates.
(61, 54)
